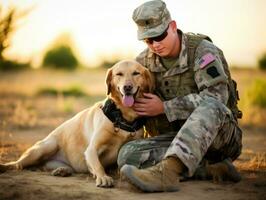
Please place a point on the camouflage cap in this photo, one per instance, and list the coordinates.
(152, 19)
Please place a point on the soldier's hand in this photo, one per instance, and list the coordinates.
(150, 105)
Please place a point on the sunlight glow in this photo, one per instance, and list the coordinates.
(104, 29)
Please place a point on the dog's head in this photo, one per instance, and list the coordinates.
(128, 80)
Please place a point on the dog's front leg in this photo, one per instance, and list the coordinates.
(93, 162)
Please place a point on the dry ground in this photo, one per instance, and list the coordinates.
(26, 118)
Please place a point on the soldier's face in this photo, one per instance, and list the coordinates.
(169, 46)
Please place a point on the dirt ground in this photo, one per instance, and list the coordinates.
(25, 119)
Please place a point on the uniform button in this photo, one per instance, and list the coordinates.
(166, 83)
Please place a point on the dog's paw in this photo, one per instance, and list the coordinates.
(104, 181)
(62, 171)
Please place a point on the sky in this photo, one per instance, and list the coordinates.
(101, 29)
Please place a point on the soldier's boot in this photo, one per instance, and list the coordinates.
(163, 176)
(219, 172)
(224, 170)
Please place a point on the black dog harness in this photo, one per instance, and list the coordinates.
(115, 115)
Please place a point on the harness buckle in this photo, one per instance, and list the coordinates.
(133, 134)
(116, 127)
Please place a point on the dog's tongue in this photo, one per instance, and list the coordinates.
(128, 101)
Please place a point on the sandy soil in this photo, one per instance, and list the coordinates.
(25, 120)
(28, 184)
(40, 185)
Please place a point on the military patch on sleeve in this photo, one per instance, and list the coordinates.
(205, 60)
(213, 72)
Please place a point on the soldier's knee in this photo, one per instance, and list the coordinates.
(216, 107)
(120, 161)
(129, 154)
(122, 157)
(212, 103)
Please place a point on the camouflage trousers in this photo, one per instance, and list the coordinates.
(210, 133)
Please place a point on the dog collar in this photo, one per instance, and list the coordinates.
(115, 115)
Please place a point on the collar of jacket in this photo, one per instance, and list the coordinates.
(114, 114)
(157, 66)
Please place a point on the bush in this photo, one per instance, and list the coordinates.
(262, 62)
(108, 64)
(73, 90)
(7, 65)
(60, 57)
(257, 94)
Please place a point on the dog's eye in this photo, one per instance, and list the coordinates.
(135, 73)
(119, 74)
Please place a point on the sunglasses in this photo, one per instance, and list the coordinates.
(157, 38)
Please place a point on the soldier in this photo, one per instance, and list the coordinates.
(193, 108)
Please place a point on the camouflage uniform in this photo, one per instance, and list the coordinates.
(197, 123)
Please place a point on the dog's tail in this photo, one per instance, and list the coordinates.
(9, 166)
(2, 168)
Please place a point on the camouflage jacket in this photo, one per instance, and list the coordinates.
(184, 87)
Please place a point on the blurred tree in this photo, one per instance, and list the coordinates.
(61, 57)
(8, 20)
(6, 23)
(106, 64)
(7, 65)
(60, 54)
(256, 93)
(262, 62)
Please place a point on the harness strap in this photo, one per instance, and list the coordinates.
(114, 115)
(193, 42)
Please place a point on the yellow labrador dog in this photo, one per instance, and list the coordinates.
(90, 141)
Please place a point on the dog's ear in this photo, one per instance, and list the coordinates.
(108, 80)
(150, 80)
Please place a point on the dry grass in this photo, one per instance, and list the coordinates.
(252, 114)
(256, 163)
(11, 151)
(21, 110)
(24, 115)
(26, 118)
(31, 81)
(6, 149)
(93, 83)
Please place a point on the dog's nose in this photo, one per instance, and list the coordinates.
(128, 88)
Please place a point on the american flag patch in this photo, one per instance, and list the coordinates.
(205, 60)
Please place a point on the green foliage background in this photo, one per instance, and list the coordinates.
(61, 57)
(262, 62)
(256, 93)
